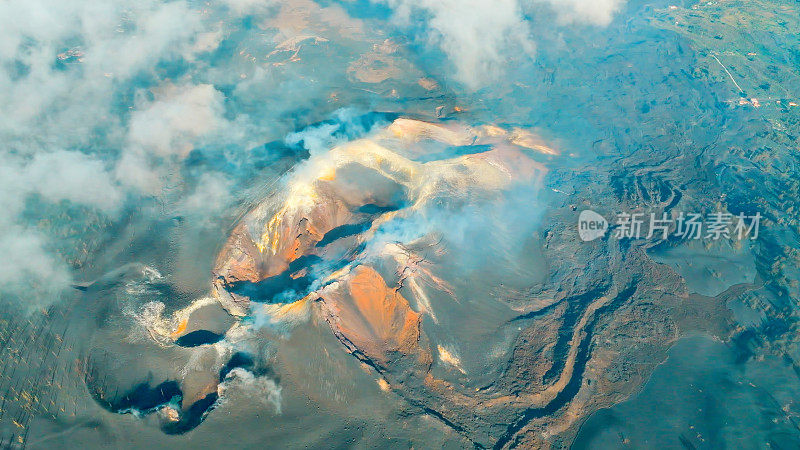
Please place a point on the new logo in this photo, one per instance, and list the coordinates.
(591, 225)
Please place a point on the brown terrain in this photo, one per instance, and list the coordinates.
(584, 338)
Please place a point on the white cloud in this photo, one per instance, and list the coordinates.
(28, 269)
(159, 30)
(56, 176)
(65, 69)
(63, 60)
(170, 124)
(476, 35)
(72, 176)
(211, 195)
(480, 37)
(136, 171)
(594, 12)
(248, 6)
